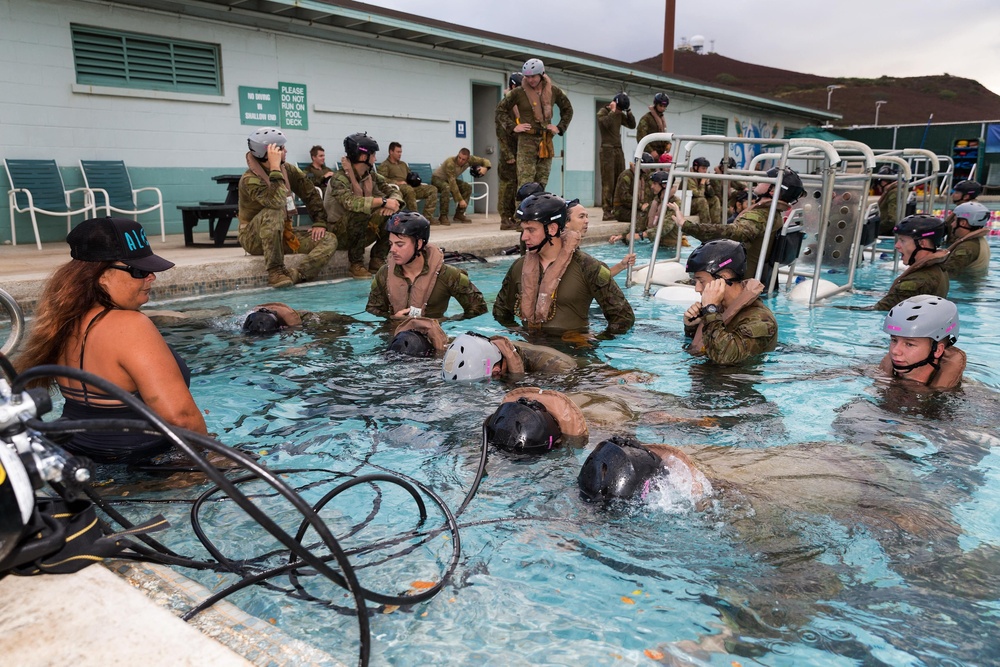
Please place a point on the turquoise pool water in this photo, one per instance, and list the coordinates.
(853, 524)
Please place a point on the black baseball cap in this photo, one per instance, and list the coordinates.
(114, 240)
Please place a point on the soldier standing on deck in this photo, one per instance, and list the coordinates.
(654, 121)
(609, 121)
(507, 171)
(532, 105)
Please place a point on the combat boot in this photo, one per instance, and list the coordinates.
(359, 271)
(279, 278)
(297, 276)
(374, 264)
(443, 220)
(508, 224)
(460, 216)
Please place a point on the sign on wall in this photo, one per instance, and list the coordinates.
(285, 106)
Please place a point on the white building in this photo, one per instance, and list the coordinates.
(173, 87)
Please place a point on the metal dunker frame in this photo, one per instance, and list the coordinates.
(680, 169)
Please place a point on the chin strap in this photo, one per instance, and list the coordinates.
(913, 255)
(416, 251)
(929, 361)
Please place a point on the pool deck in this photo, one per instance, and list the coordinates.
(98, 616)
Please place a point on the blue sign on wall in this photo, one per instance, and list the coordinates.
(460, 129)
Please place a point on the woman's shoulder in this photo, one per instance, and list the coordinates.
(130, 323)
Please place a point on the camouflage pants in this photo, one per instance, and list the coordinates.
(699, 207)
(530, 167)
(507, 175)
(444, 193)
(363, 229)
(423, 191)
(612, 164)
(263, 236)
(715, 209)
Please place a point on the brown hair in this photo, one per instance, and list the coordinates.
(71, 291)
(316, 149)
(465, 151)
(394, 145)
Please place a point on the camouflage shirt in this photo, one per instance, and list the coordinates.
(518, 99)
(748, 229)
(751, 332)
(887, 211)
(340, 200)
(625, 186)
(393, 172)
(255, 194)
(585, 280)
(450, 171)
(316, 176)
(610, 125)
(929, 278)
(647, 125)
(968, 255)
(451, 282)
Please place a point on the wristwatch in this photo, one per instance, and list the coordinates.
(710, 309)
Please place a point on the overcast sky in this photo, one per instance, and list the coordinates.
(851, 38)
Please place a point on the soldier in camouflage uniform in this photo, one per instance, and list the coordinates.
(394, 170)
(531, 107)
(888, 201)
(713, 191)
(731, 324)
(609, 122)
(654, 121)
(446, 180)
(266, 206)
(625, 186)
(969, 252)
(358, 201)
(416, 282)
(749, 226)
(507, 169)
(317, 172)
(917, 239)
(699, 195)
(556, 299)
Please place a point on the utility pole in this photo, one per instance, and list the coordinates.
(877, 105)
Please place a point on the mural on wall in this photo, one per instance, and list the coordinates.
(752, 128)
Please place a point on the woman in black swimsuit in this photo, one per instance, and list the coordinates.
(88, 318)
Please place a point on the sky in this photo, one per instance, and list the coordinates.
(841, 38)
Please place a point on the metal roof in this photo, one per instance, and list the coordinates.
(360, 24)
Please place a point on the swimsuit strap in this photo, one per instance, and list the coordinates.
(83, 348)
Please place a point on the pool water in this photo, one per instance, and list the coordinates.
(852, 524)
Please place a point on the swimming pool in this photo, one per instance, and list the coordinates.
(853, 523)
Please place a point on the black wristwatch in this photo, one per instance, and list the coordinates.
(710, 309)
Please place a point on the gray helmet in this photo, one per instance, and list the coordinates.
(661, 98)
(975, 214)
(470, 357)
(923, 316)
(971, 188)
(533, 66)
(714, 256)
(791, 185)
(359, 144)
(622, 102)
(262, 137)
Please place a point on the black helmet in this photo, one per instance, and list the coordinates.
(701, 162)
(261, 321)
(921, 227)
(791, 185)
(622, 102)
(617, 468)
(523, 425)
(728, 162)
(515, 80)
(888, 170)
(544, 208)
(412, 344)
(661, 98)
(409, 223)
(413, 179)
(477, 171)
(660, 177)
(716, 255)
(971, 188)
(647, 158)
(529, 189)
(358, 144)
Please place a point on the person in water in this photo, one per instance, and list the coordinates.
(922, 334)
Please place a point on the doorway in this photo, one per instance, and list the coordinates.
(485, 98)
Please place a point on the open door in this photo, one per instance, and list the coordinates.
(485, 98)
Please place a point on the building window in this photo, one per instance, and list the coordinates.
(714, 125)
(131, 60)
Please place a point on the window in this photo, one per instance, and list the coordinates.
(714, 125)
(131, 60)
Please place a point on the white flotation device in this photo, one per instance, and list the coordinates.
(664, 273)
(800, 293)
(683, 295)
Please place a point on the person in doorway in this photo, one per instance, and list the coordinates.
(552, 286)
(266, 205)
(610, 120)
(922, 334)
(394, 170)
(317, 172)
(507, 171)
(447, 180)
(359, 200)
(416, 282)
(655, 121)
(730, 325)
(969, 252)
(532, 105)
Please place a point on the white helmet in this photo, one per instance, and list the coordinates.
(533, 66)
(975, 214)
(470, 357)
(923, 316)
(262, 137)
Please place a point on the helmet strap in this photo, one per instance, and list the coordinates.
(417, 251)
(929, 361)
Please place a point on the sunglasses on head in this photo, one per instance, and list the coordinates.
(138, 274)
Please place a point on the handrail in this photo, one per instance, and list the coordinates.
(17, 323)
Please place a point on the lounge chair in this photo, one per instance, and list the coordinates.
(111, 189)
(36, 186)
